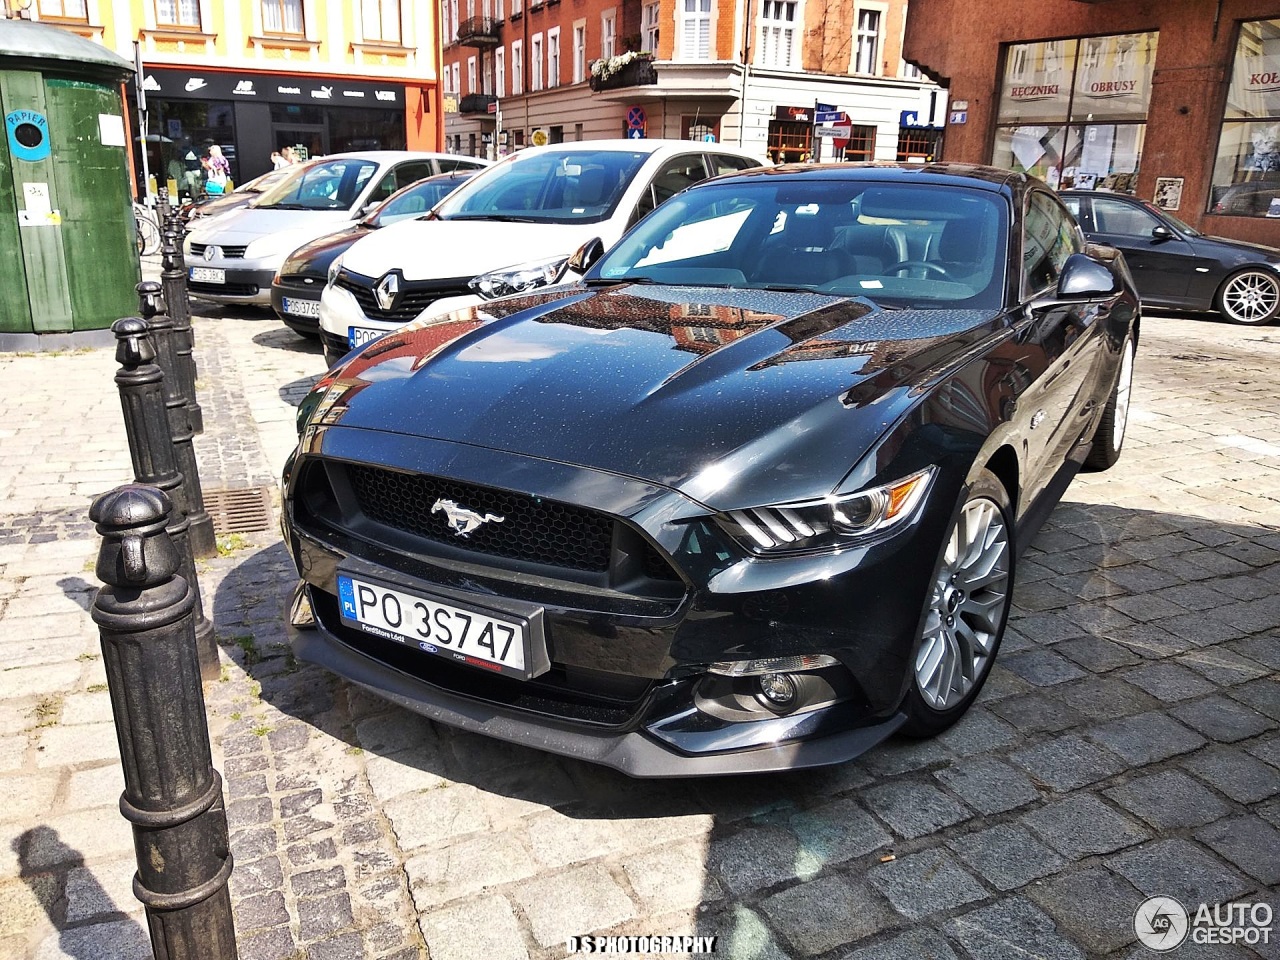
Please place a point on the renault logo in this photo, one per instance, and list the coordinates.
(212, 252)
(386, 290)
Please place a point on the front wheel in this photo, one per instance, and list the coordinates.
(1109, 438)
(965, 613)
(1251, 297)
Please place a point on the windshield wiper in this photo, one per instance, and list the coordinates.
(496, 217)
(617, 281)
(286, 206)
(782, 288)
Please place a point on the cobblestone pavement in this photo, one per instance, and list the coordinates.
(1125, 746)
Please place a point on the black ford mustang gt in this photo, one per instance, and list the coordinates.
(748, 497)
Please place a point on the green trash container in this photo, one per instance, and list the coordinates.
(67, 232)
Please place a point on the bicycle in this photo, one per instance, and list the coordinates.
(148, 229)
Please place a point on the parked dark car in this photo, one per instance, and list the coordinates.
(241, 196)
(1178, 267)
(748, 497)
(296, 288)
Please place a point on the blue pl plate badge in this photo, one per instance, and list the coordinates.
(347, 597)
(28, 132)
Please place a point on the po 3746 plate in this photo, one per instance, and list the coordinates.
(478, 638)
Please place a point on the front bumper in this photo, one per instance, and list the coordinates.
(297, 288)
(246, 282)
(628, 666)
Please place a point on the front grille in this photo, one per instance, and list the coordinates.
(532, 529)
(414, 297)
(230, 252)
(227, 289)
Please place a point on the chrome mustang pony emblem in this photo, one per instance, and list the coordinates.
(463, 522)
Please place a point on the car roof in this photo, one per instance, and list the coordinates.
(653, 145)
(994, 179)
(389, 156)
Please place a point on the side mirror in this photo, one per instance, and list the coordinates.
(1161, 232)
(586, 256)
(367, 209)
(1082, 279)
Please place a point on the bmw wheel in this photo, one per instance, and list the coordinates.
(1250, 297)
(965, 613)
(1109, 438)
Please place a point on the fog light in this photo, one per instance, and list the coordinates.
(778, 689)
(750, 668)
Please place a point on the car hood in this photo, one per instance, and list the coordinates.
(735, 398)
(247, 224)
(313, 259)
(1244, 251)
(432, 249)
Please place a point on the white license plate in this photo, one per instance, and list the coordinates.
(359, 336)
(302, 308)
(469, 636)
(208, 275)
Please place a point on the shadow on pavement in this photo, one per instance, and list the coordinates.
(283, 338)
(90, 923)
(869, 851)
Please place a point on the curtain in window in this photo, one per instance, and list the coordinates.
(282, 16)
(381, 19)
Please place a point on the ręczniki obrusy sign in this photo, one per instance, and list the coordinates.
(186, 83)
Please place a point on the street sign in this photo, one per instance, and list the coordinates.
(828, 116)
(959, 116)
(493, 106)
(836, 133)
(824, 107)
(540, 138)
(636, 118)
(635, 133)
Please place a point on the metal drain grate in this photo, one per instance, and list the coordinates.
(239, 511)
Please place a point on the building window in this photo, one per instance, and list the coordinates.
(497, 10)
(457, 78)
(649, 30)
(777, 31)
(608, 25)
(517, 67)
(64, 10)
(451, 32)
(916, 143)
(535, 62)
(1073, 112)
(579, 52)
(910, 71)
(500, 71)
(553, 57)
(790, 141)
(380, 20)
(472, 86)
(517, 6)
(178, 13)
(282, 16)
(695, 30)
(861, 147)
(1246, 173)
(866, 55)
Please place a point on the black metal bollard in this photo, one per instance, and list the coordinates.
(146, 420)
(173, 277)
(163, 210)
(203, 540)
(172, 795)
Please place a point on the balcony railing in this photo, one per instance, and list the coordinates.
(638, 72)
(476, 103)
(480, 32)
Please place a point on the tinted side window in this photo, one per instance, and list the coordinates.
(1072, 204)
(1048, 239)
(722, 164)
(385, 188)
(412, 172)
(448, 165)
(1122, 219)
(672, 177)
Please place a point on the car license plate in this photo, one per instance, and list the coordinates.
(302, 308)
(208, 275)
(467, 635)
(359, 336)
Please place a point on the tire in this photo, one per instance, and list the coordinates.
(972, 588)
(1250, 297)
(148, 236)
(331, 357)
(1108, 439)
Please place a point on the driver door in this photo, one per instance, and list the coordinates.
(1161, 267)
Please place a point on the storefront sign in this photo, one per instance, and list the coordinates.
(795, 114)
(190, 84)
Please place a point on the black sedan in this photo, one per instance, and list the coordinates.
(1177, 267)
(296, 288)
(748, 497)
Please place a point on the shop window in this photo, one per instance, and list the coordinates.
(380, 20)
(918, 144)
(861, 147)
(64, 10)
(1246, 173)
(790, 141)
(1073, 112)
(693, 129)
(777, 31)
(178, 13)
(282, 16)
(695, 30)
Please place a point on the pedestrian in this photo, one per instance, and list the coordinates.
(277, 160)
(289, 155)
(217, 171)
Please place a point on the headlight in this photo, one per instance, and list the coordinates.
(521, 278)
(830, 523)
(335, 268)
(271, 246)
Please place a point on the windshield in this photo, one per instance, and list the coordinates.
(898, 244)
(415, 200)
(547, 186)
(1190, 231)
(324, 185)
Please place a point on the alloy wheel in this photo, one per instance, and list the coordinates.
(1251, 297)
(966, 606)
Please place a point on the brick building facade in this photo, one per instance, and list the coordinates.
(745, 72)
